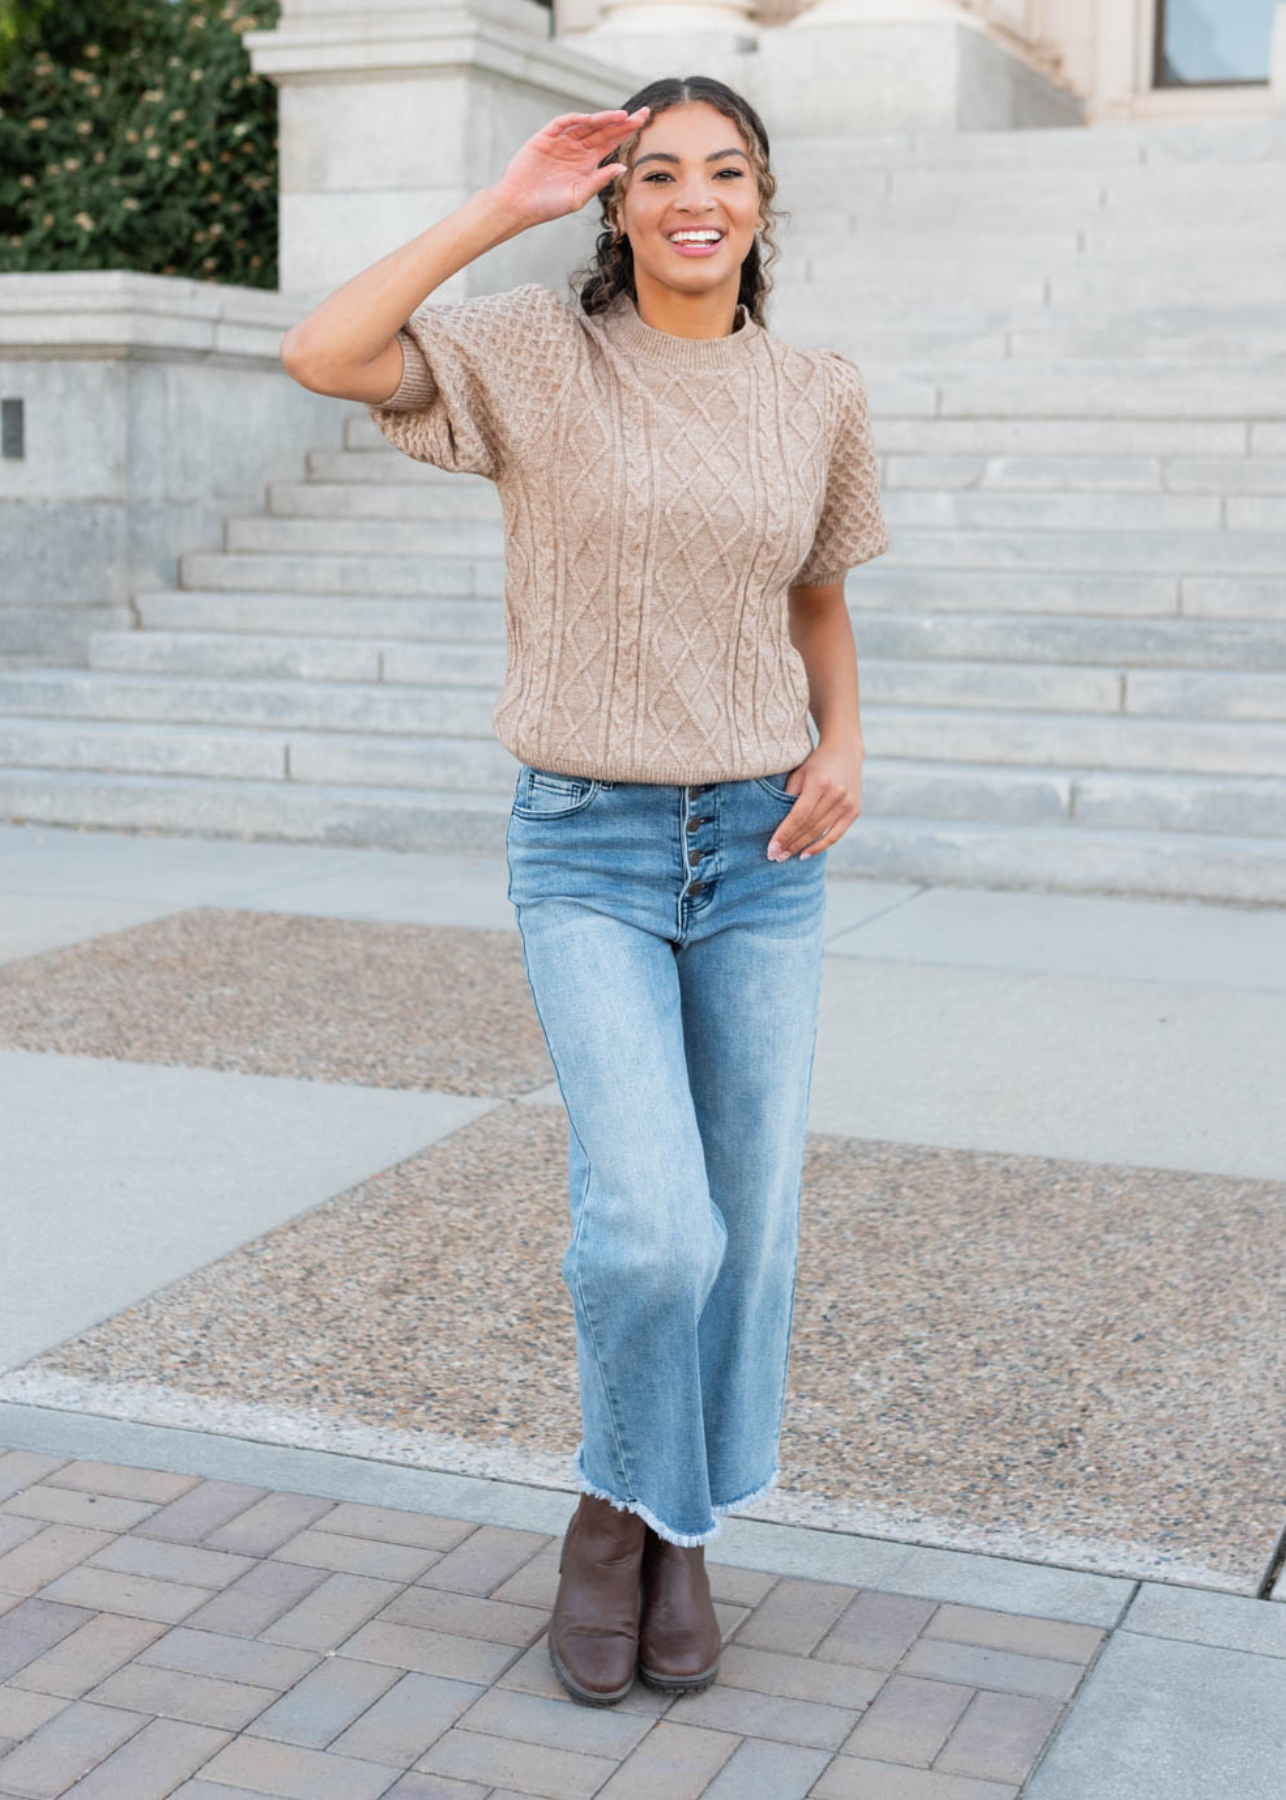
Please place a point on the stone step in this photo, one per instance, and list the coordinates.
(369, 457)
(1220, 475)
(112, 747)
(1134, 800)
(349, 489)
(1126, 644)
(1005, 679)
(965, 509)
(1198, 344)
(1144, 285)
(1244, 732)
(1253, 441)
(1263, 512)
(908, 249)
(1225, 314)
(368, 534)
(1183, 515)
(1112, 550)
(247, 649)
(352, 615)
(1104, 392)
(1085, 493)
(893, 786)
(1042, 592)
(1040, 595)
(418, 565)
(1026, 200)
(334, 489)
(875, 344)
(902, 236)
(1180, 513)
(447, 763)
(327, 706)
(909, 340)
(439, 575)
(265, 656)
(866, 279)
(1177, 149)
(54, 634)
(1254, 389)
(1066, 857)
(1002, 435)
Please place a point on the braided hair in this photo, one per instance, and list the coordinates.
(611, 268)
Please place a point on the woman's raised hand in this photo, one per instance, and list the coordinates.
(557, 170)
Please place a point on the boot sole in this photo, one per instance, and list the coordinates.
(679, 1684)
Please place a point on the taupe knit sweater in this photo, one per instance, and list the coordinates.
(660, 495)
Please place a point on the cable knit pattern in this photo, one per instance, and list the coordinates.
(661, 494)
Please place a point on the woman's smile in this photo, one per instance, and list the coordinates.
(696, 240)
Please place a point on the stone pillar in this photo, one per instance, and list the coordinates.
(677, 37)
(683, 18)
(392, 113)
(887, 12)
(855, 66)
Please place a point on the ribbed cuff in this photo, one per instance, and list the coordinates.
(417, 387)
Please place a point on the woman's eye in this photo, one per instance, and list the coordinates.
(661, 174)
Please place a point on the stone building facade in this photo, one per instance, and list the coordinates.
(1126, 59)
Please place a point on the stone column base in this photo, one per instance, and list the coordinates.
(825, 74)
(391, 116)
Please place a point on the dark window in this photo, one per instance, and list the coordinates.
(1202, 43)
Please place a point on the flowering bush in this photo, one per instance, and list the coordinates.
(133, 135)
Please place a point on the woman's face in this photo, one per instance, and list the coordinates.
(691, 169)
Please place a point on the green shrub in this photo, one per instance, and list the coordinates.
(133, 135)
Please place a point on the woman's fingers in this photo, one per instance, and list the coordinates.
(820, 839)
(584, 125)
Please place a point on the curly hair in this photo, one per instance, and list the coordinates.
(611, 268)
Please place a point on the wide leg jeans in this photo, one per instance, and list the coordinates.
(676, 973)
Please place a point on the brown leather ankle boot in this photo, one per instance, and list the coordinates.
(594, 1631)
(679, 1633)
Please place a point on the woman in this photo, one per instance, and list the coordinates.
(683, 494)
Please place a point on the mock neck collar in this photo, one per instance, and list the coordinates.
(622, 322)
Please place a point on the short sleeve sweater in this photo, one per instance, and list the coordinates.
(660, 496)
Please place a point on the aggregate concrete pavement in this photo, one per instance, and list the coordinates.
(1016, 1097)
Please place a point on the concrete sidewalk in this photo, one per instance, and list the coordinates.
(283, 1169)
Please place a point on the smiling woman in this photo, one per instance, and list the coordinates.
(696, 193)
(683, 494)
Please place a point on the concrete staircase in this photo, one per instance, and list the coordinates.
(1072, 660)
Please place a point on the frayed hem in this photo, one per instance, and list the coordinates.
(688, 1540)
(748, 1499)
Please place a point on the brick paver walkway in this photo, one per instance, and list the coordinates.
(166, 1635)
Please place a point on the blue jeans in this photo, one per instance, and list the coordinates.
(676, 973)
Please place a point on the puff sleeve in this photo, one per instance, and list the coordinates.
(480, 378)
(851, 528)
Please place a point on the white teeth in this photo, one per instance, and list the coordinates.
(695, 237)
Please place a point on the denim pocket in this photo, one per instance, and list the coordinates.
(772, 784)
(545, 794)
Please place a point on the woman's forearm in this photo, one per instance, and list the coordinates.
(822, 633)
(354, 324)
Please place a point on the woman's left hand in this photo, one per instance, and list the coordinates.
(828, 786)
